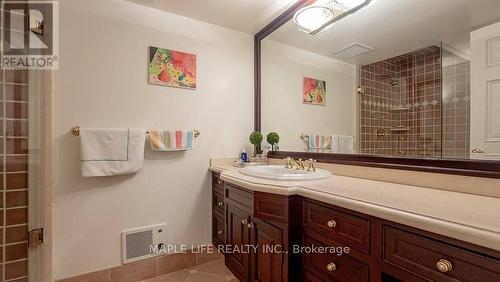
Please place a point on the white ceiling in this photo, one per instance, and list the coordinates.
(395, 27)
(248, 16)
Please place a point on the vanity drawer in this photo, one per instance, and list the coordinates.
(423, 257)
(332, 267)
(218, 230)
(239, 197)
(218, 203)
(349, 229)
(217, 183)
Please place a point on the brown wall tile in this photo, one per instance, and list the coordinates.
(16, 110)
(16, 199)
(16, 252)
(16, 128)
(16, 92)
(19, 280)
(17, 181)
(16, 269)
(16, 163)
(16, 216)
(16, 76)
(17, 146)
(16, 234)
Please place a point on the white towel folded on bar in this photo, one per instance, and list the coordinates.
(106, 152)
(342, 144)
(346, 144)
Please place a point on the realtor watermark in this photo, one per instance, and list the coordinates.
(249, 249)
(29, 35)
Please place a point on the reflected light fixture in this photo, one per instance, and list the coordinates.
(323, 13)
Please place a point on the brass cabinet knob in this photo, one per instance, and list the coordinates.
(244, 221)
(220, 232)
(477, 151)
(331, 267)
(444, 265)
(220, 204)
(331, 223)
(220, 182)
(250, 225)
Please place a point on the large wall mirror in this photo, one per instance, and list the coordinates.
(413, 79)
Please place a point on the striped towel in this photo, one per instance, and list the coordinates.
(170, 140)
(315, 141)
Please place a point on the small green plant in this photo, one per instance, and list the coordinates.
(273, 138)
(255, 138)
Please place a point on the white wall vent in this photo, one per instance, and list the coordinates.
(352, 50)
(137, 243)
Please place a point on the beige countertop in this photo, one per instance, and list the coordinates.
(468, 217)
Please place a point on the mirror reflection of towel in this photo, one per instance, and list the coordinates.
(315, 141)
(346, 144)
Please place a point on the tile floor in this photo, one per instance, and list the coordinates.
(214, 271)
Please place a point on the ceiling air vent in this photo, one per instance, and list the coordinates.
(352, 50)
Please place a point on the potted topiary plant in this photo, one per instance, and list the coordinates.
(273, 138)
(255, 139)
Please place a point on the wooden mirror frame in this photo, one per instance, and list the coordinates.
(472, 167)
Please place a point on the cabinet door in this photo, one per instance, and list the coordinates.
(218, 226)
(238, 239)
(268, 260)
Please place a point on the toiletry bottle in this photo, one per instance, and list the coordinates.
(244, 155)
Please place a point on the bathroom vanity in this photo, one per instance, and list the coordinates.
(247, 211)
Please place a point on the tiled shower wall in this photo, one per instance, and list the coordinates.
(401, 105)
(13, 175)
(417, 104)
(456, 104)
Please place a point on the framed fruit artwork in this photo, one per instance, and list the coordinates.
(172, 68)
(314, 91)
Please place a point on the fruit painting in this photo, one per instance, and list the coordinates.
(172, 68)
(314, 91)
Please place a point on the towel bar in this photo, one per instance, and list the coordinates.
(305, 136)
(75, 130)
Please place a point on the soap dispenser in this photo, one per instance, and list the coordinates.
(244, 155)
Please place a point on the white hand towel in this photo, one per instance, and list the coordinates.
(346, 144)
(335, 144)
(106, 152)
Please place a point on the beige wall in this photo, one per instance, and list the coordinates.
(283, 69)
(102, 82)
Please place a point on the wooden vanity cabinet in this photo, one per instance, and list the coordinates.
(258, 244)
(380, 250)
(218, 211)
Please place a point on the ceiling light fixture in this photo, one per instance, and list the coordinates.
(323, 13)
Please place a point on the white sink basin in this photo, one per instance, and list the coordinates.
(278, 172)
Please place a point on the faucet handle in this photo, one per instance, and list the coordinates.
(300, 165)
(311, 166)
(288, 162)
